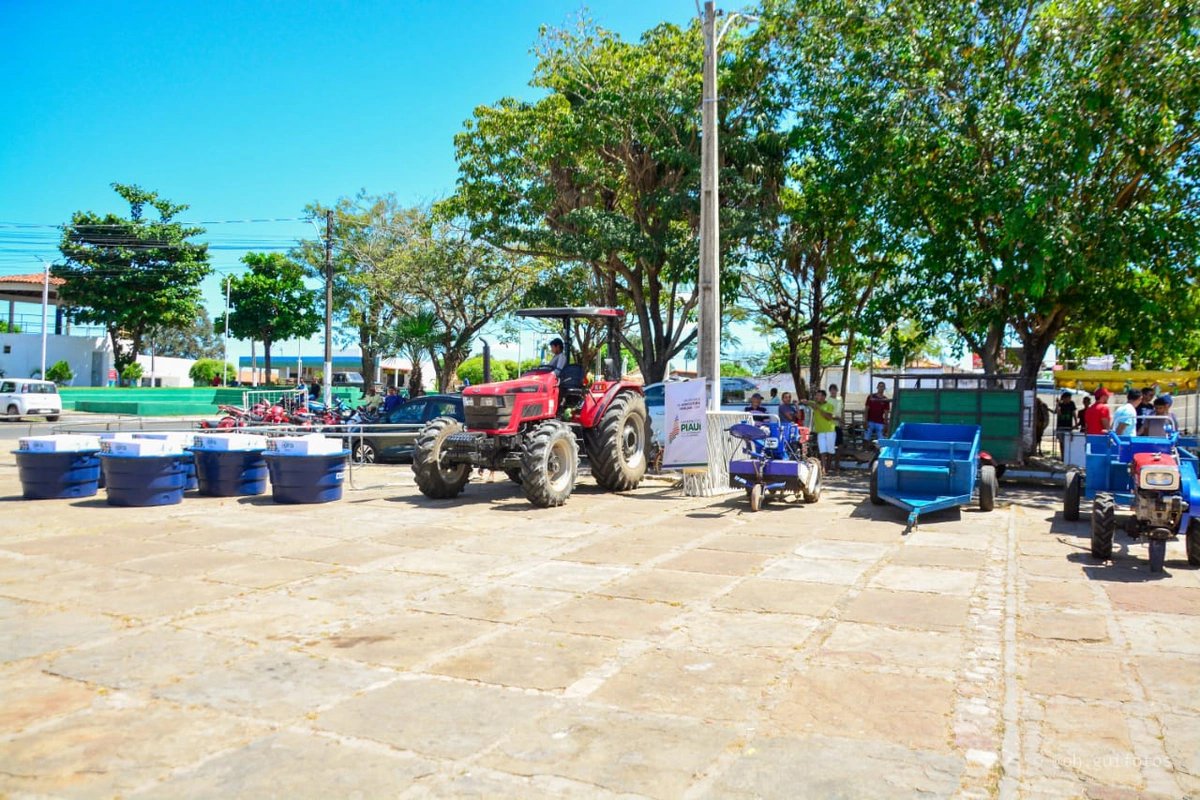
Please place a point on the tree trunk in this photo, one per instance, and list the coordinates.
(818, 331)
(267, 381)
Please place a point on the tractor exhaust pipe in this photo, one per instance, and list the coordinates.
(487, 361)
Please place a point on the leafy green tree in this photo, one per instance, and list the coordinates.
(472, 370)
(465, 283)
(270, 303)
(733, 369)
(204, 370)
(604, 169)
(131, 274)
(196, 340)
(60, 372)
(370, 237)
(1045, 160)
(414, 335)
(132, 373)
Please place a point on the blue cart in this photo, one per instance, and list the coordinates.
(928, 466)
(1154, 478)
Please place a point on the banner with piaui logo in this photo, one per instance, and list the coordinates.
(685, 405)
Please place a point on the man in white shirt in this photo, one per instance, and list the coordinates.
(1124, 422)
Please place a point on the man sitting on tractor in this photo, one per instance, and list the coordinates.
(558, 361)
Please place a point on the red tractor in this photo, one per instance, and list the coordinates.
(531, 427)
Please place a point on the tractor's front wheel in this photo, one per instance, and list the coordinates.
(1193, 542)
(1104, 525)
(812, 492)
(616, 446)
(550, 464)
(434, 477)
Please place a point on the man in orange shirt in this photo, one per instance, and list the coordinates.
(1097, 419)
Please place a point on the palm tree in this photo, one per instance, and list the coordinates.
(413, 334)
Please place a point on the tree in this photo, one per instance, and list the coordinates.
(199, 339)
(414, 335)
(472, 370)
(466, 284)
(1047, 164)
(204, 370)
(130, 275)
(271, 303)
(370, 235)
(604, 170)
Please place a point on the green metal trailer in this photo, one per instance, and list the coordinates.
(1003, 412)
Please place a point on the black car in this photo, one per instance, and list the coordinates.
(392, 439)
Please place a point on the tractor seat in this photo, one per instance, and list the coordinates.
(571, 390)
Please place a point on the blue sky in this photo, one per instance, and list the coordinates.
(251, 110)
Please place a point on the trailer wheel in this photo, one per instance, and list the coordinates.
(616, 445)
(875, 498)
(550, 464)
(814, 494)
(1193, 542)
(1104, 525)
(756, 497)
(1071, 495)
(987, 487)
(433, 477)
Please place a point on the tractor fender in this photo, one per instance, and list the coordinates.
(1189, 487)
(599, 398)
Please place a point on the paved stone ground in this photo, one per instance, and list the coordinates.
(638, 645)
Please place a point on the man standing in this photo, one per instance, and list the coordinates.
(824, 428)
(1146, 409)
(1125, 418)
(879, 408)
(1097, 419)
(1064, 413)
(836, 402)
(788, 412)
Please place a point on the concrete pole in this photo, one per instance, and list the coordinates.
(225, 366)
(45, 305)
(328, 385)
(708, 364)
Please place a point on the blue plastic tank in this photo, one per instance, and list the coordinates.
(193, 482)
(306, 479)
(230, 473)
(144, 480)
(52, 476)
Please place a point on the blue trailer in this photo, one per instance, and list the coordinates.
(928, 466)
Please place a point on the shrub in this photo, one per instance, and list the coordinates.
(205, 369)
(60, 373)
(472, 370)
(132, 373)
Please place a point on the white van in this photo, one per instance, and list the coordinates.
(22, 397)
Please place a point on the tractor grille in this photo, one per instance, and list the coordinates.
(487, 418)
(532, 411)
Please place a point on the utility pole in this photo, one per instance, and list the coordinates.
(225, 365)
(328, 395)
(709, 361)
(45, 304)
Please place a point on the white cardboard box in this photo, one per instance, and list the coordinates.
(314, 444)
(229, 441)
(58, 443)
(178, 439)
(139, 447)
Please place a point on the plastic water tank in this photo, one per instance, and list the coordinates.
(306, 479)
(132, 480)
(51, 476)
(230, 473)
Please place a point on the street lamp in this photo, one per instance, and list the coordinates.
(708, 363)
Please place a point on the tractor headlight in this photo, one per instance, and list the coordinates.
(1160, 479)
(487, 401)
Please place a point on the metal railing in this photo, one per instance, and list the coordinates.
(289, 397)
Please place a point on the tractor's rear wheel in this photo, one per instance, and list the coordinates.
(987, 487)
(514, 475)
(550, 464)
(434, 477)
(616, 446)
(1193, 542)
(1104, 525)
(1071, 496)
